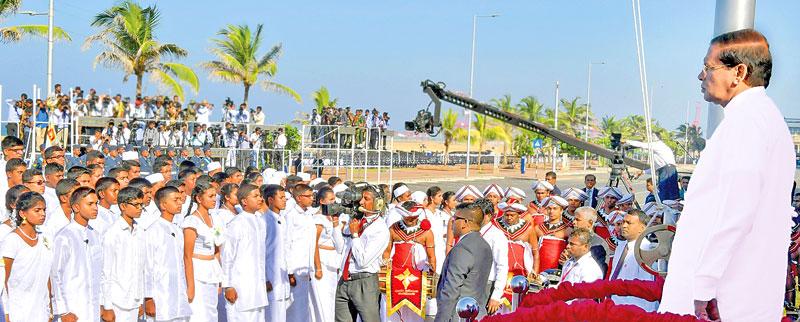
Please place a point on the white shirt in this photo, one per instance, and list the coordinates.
(438, 220)
(276, 258)
(203, 114)
(498, 242)
(329, 259)
(366, 251)
(27, 293)
(164, 275)
(208, 238)
(55, 220)
(258, 118)
(393, 215)
(105, 217)
(583, 270)
(51, 201)
(736, 218)
(244, 260)
(163, 138)
(136, 112)
(281, 141)
(122, 275)
(300, 241)
(662, 154)
(150, 214)
(75, 275)
(630, 270)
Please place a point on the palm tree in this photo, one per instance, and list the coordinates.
(11, 34)
(127, 33)
(609, 125)
(504, 104)
(322, 99)
(635, 126)
(696, 142)
(237, 61)
(451, 132)
(485, 132)
(573, 117)
(531, 109)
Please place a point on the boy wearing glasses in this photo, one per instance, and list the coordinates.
(122, 275)
(34, 180)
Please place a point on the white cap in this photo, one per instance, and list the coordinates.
(315, 182)
(130, 155)
(574, 194)
(155, 178)
(304, 176)
(493, 188)
(515, 207)
(626, 198)
(515, 193)
(419, 197)
(613, 191)
(555, 199)
(274, 180)
(213, 166)
(537, 185)
(467, 191)
(399, 191)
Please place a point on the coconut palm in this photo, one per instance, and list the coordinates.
(504, 104)
(238, 60)
(531, 109)
(451, 132)
(610, 124)
(10, 34)
(635, 126)
(127, 35)
(694, 134)
(573, 117)
(322, 99)
(483, 131)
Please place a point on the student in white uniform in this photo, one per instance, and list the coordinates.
(61, 215)
(122, 276)
(107, 191)
(301, 248)
(244, 259)
(165, 278)
(581, 267)
(202, 238)
(7, 226)
(29, 256)
(53, 172)
(624, 265)
(278, 289)
(227, 204)
(77, 261)
(327, 257)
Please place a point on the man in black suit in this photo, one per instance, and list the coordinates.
(590, 181)
(465, 270)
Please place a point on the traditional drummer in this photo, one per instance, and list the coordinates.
(468, 193)
(541, 190)
(552, 235)
(604, 227)
(494, 194)
(575, 198)
(410, 257)
(523, 255)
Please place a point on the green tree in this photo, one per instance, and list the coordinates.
(322, 99)
(237, 61)
(451, 132)
(127, 35)
(573, 117)
(530, 108)
(482, 132)
(696, 142)
(10, 34)
(504, 104)
(635, 127)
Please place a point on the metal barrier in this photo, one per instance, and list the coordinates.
(349, 149)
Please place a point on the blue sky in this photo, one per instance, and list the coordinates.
(375, 53)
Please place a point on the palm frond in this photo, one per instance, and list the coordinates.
(9, 6)
(11, 34)
(222, 71)
(281, 89)
(167, 83)
(183, 73)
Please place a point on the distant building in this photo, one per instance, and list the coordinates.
(794, 129)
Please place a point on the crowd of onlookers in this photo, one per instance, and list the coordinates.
(369, 123)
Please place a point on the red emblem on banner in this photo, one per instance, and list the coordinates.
(407, 285)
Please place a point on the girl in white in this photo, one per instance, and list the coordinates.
(438, 219)
(327, 258)
(28, 257)
(7, 227)
(227, 204)
(202, 237)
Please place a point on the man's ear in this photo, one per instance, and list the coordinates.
(741, 73)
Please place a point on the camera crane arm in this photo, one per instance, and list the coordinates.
(438, 93)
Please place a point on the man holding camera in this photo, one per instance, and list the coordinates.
(366, 237)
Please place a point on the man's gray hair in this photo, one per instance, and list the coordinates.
(644, 218)
(587, 213)
(583, 235)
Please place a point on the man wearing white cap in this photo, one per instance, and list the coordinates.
(536, 208)
(493, 193)
(552, 235)
(625, 202)
(410, 253)
(575, 198)
(523, 256)
(468, 193)
(213, 168)
(606, 214)
(400, 194)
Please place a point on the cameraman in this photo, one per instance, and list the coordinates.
(365, 240)
(150, 134)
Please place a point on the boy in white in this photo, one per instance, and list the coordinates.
(107, 210)
(278, 289)
(244, 259)
(122, 276)
(77, 259)
(165, 296)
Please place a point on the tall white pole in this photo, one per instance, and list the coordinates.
(588, 108)
(730, 15)
(686, 135)
(471, 87)
(555, 143)
(50, 50)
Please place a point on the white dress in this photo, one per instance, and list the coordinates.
(207, 273)
(27, 284)
(323, 291)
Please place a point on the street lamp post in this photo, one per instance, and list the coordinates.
(49, 14)
(471, 81)
(588, 109)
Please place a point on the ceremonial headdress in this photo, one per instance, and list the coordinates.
(274, 180)
(419, 197)
(611, 191)
(556, 200)
(575, 194)
(650, 208)
(626, 198)
(410, 209)
(467, 191)
(536, 185)
(515, 207)
(514, 194)
(493, 188)
(399, 191)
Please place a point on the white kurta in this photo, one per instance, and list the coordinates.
(301, 247)
(122, 276)
(75, 275)
(165, 278)
(737, 217)
(630, 270)
(276, 266)
(583, 270)
(498, 242)
(243, 265)
(28, 297)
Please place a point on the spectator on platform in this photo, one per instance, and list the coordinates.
(204, 112)
(258, 116)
